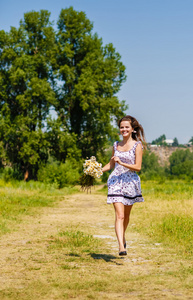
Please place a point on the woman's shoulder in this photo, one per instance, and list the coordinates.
(115, 145)
(138, 143)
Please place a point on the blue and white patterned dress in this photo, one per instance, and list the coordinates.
(123, 184)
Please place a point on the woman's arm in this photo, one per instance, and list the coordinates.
(138, 160)
(110, 165)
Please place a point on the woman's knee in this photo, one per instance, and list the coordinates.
(120, 216)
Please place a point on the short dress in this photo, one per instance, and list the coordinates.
(123, 184)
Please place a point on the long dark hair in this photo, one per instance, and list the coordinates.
(138, 135)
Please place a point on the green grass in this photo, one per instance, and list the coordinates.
(36, 185)
(166, 213)
(170, 189)
(179, 228)
(73, 239)
(70, 263)
(19, 198)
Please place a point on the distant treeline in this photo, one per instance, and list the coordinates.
(163, 142)
(180, 166)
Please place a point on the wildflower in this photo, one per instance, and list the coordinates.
(92, 169)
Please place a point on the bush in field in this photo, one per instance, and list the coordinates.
(181, 163)
(181, 166)
(62, 174)
(8, 173)
(151, 168)
(185, 168)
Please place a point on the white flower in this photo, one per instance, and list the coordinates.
(92, 167)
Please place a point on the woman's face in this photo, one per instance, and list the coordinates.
(125, 128)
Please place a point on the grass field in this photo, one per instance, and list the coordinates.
(60, 244)
(25, 198)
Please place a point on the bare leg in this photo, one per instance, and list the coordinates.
(119, 224)
(127, 212)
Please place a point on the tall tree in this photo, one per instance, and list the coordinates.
(175, 142)
(69, 71)
(26, 93)
(160, 140)
(90, 76)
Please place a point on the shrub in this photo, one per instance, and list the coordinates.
(181, 164)
(151, 168)
(62, 174)
(9, 173)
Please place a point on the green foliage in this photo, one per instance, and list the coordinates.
(184, 168)
(151, 168)
(61, 174)
(191, 140)
(160, 140)
(175, 142)
(181, 163)
(105, 158)
(67, 70)
(62, 143)
(26, 94)
(182, 146)
(180, 166)
(8, 173)
(91, 75)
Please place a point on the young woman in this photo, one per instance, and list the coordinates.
(124, 188)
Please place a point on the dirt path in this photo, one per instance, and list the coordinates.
(24, 252)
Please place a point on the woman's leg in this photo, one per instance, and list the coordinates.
(127, 211)
(119, 224)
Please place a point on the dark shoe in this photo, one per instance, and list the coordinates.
(122, 253)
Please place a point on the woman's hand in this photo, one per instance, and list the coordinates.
(138, 160)
(116, 159)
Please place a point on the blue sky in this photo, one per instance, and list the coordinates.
(155, 40)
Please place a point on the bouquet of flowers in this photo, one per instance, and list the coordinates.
(92, 170)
